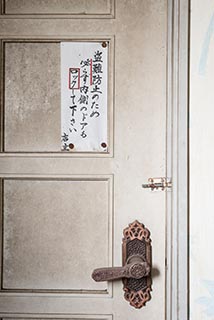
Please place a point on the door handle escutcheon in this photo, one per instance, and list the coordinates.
(137, 264)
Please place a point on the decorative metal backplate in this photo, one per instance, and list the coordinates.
(137, 241)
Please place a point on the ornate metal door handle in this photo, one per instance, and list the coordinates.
(136, 269)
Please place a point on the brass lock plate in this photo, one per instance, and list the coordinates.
(137, 242)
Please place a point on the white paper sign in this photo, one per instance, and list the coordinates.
(84, 73)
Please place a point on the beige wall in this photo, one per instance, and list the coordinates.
(202, 160)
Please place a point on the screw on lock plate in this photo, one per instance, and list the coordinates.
(158, 184)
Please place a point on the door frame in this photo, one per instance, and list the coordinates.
(177, 226)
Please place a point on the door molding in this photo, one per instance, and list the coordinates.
(177, 290)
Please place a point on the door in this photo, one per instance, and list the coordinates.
(64, 211)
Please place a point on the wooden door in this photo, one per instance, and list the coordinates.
(63, 213)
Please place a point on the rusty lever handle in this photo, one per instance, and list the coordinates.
(135, 268)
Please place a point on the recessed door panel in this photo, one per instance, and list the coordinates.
(50, 239)
(74, 7)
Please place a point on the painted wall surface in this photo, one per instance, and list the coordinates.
(202, 160)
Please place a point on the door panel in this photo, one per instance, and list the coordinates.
(63, 214)
(80, 317)
(31, 70)
(61, 240)
(59, 7)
